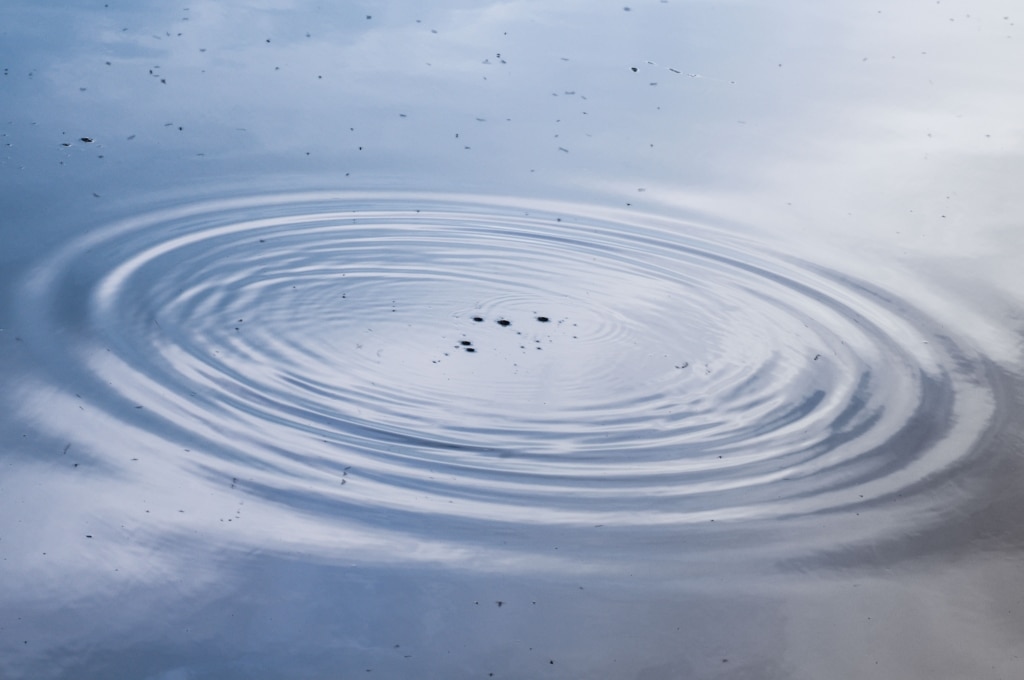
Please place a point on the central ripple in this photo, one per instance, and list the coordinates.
(552, 365)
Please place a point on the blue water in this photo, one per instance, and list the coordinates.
(507, 340)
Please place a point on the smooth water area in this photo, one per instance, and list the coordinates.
(522, 340)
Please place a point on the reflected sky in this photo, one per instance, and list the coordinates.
(751, 191)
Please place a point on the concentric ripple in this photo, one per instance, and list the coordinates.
(445, 356)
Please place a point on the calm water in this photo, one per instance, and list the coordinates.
(512, 340)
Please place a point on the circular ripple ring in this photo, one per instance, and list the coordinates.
(504, 362)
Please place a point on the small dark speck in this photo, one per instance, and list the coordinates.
(500, 603)
(87, 140)
(470, 349)
(478, 318)
(633, 69)
(466, 343)
(543, 319)
(817, 356)
(504, 322)
(88, 535)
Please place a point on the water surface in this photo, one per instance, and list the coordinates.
(672, 340)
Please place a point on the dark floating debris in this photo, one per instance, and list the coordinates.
(478, 318)
(87, 140)
(543, 319)
(504, 322)
(470, 349)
